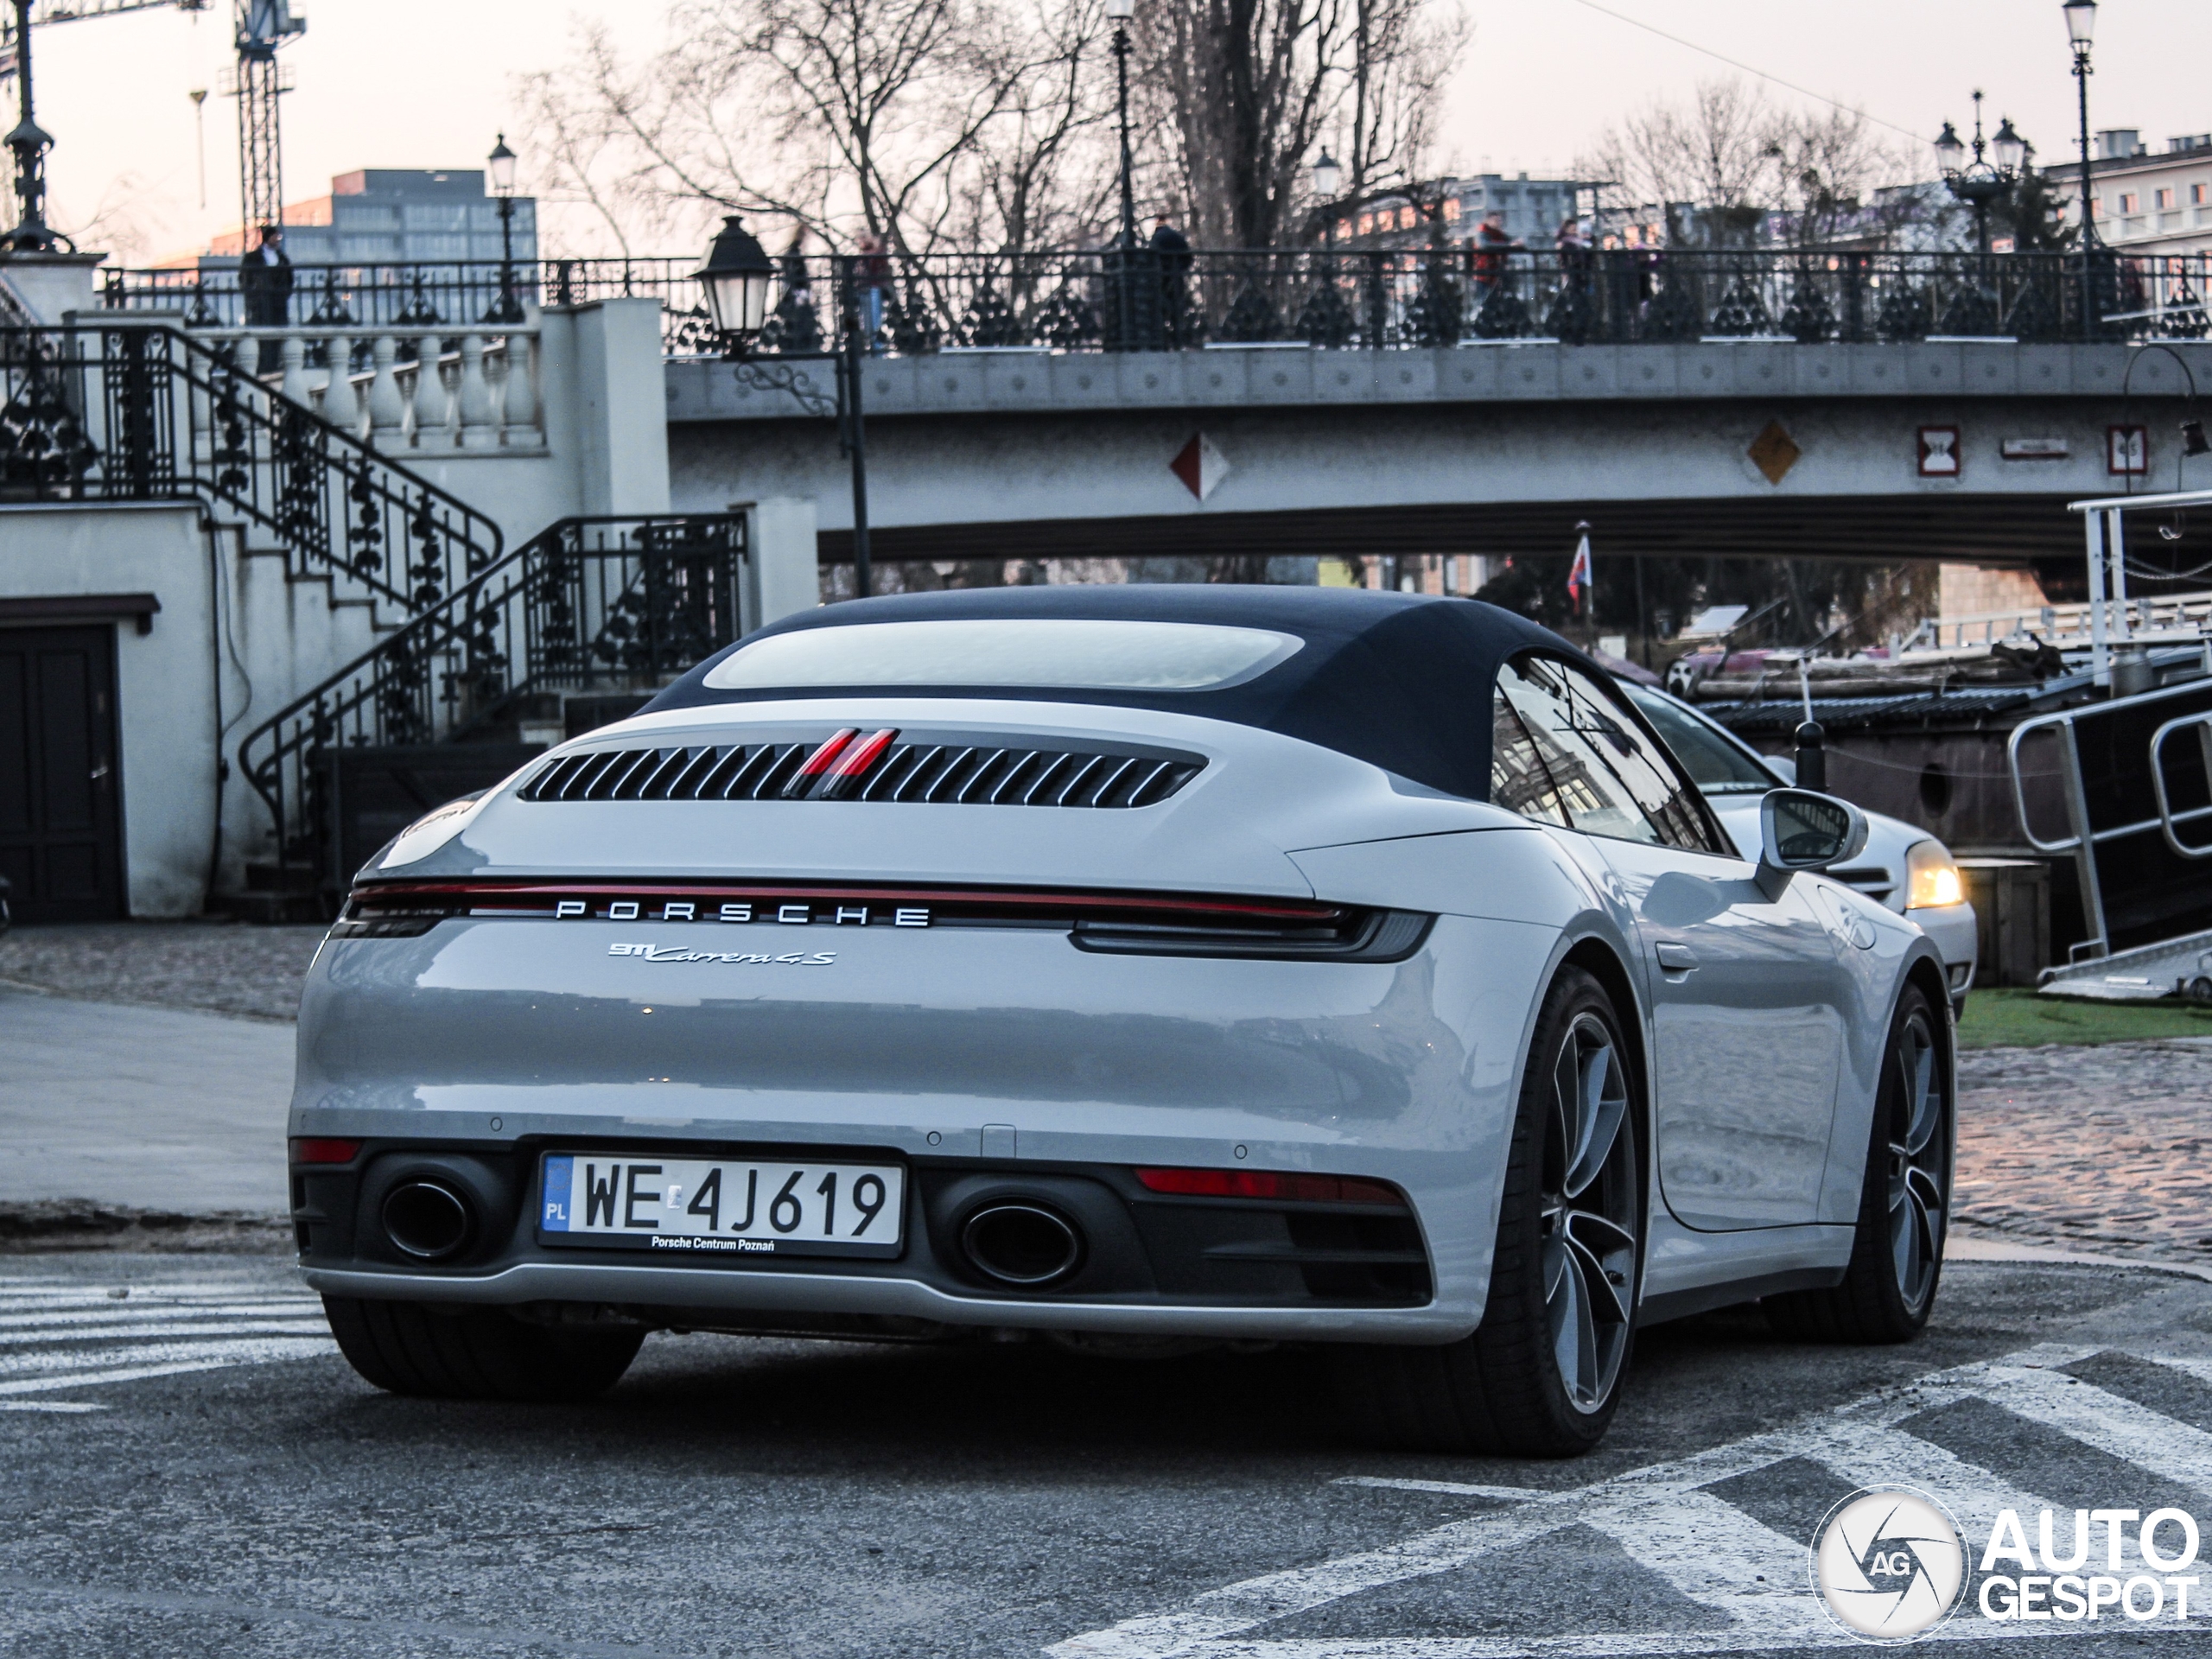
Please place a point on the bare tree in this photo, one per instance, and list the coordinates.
(917, 121)
(1730, 167)
(1244, 90)
(1715, 157)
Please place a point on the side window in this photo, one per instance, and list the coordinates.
(1519, 780)
(1608, 777)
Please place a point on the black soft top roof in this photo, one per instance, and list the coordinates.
(1403, 681)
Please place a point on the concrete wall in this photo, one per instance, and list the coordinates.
(167, 679)
(958, 438)
(1006, 468)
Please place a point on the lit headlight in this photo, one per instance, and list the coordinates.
(1932, 879)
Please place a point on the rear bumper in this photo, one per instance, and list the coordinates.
(1011, 1055)
(1144, 1261)
(801, 1295)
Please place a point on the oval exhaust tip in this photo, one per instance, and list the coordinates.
(1021, 1244)
(426, 1219)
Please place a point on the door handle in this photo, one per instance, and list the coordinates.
(98, 773)
(1676, 958)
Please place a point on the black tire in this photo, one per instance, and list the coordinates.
(1504, 1391)
(1904, 1201)
(476, 1353)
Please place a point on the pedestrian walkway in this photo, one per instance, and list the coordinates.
(1711, 1548)
(63, 1338)
(148, 1108)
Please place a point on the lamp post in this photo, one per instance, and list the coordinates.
(737, 277)
(1120, 11)
(30, 143)
(1977, 182)
(2081, 28)
(500, 164)
(1328, 179)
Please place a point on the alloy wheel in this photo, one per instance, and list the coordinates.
(1920, 1160)
(1589, 1219)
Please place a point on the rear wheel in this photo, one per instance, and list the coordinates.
(476, 1353)
(1541, 1376)
(1904, 1203)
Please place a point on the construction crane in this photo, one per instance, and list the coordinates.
(263, 26)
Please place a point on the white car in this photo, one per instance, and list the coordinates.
(1902, 867)
(1124, 965)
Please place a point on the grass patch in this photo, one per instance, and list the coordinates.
(2011, 1017)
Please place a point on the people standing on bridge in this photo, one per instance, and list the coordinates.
(1172, 250)
(265, 294)
(1488, 252)
(871, 282)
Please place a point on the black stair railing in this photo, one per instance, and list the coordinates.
(128, 412)
(591, 605)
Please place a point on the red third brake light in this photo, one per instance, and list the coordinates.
(858, 759)
(819, 762)
(1269, 1183)
(324, 1150)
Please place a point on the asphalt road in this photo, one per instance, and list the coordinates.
(190, 1470)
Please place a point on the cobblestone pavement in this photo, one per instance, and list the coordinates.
(2101, 1148)
(227, 968)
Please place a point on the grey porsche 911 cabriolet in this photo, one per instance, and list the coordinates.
(1133, 965)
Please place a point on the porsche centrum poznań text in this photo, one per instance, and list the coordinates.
(1132, 966)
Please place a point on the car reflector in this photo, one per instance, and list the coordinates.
(316, 1151)
(1269, 1183)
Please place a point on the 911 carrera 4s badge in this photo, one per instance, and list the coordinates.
(750, 959)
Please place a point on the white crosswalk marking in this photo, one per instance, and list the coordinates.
(59, 1338)
(1706, 1549)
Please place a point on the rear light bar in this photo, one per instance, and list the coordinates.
(1138, 924)
(1269, 1183)
(322, 1150)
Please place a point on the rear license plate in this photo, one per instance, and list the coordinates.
(726, 1208)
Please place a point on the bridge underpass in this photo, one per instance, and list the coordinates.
(1496, 451)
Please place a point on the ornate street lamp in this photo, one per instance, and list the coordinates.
(1977, 182)
(2081, 28)
(737, 278)
(1120, 11)
(500, 164)
(1328, 179)
(30, 143)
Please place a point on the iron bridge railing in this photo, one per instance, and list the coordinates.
(1109, 300)
(590, 605)
(135, 412)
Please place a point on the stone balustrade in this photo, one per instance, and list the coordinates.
(485, 394)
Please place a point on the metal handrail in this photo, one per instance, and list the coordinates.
(2168, 818)
(519, 626)
(336, 506)
(1329, 297)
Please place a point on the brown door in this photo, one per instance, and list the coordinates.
(60, 822)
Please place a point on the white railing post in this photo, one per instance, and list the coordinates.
(387, 410)
(520, 392)
(2100, 653)
(294, 384)
(432, 410)
(340, 406)
(478, 430)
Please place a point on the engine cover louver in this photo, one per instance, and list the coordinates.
(853, 765)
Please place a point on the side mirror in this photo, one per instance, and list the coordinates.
(1801, 830)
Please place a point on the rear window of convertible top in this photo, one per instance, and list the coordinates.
(1060, 652)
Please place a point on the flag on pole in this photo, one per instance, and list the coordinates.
(1580, 580)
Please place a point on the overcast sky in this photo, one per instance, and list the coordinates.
(428, 83)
